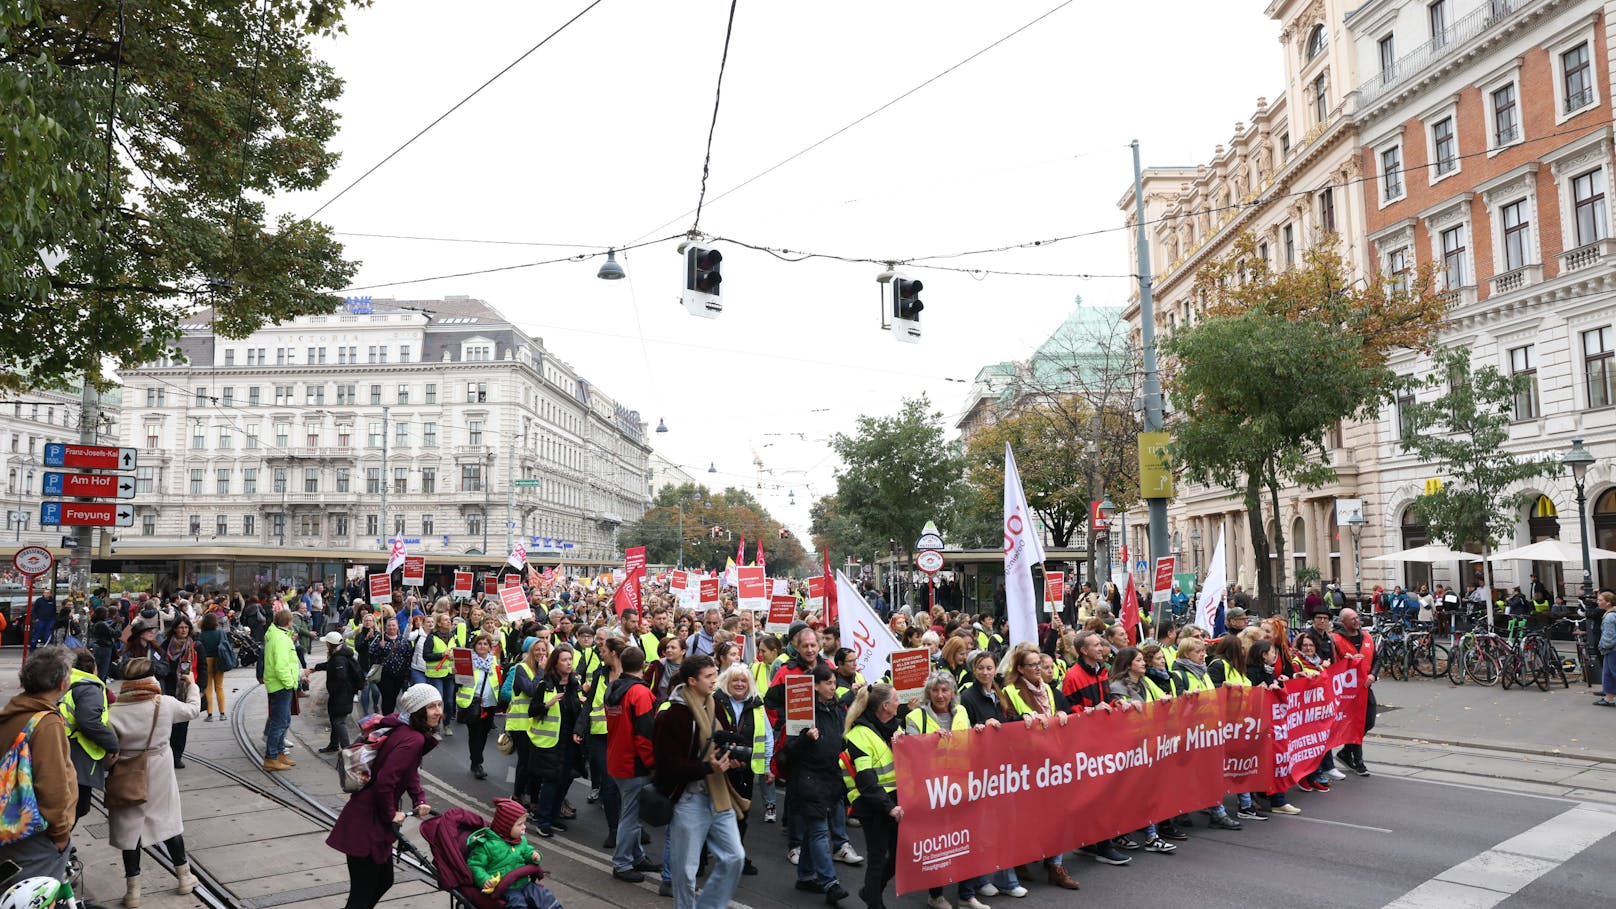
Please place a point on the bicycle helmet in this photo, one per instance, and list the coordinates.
(30, 893)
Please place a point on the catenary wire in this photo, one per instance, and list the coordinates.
(718, 93)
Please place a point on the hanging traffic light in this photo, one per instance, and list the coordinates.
(906, 307)
(703, 281)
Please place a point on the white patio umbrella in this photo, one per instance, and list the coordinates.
(1432, 552)
(1552, 551)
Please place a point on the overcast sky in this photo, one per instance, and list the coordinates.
(597, 139)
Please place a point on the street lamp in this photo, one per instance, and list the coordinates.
(1355, 523)
(661, 425)
(1107, 509)
(28, 485)
(610, 270)
(488, 478)
(1579, 459)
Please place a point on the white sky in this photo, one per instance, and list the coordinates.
(597, 139)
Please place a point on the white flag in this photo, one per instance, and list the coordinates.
(1022, 549)
(518, 556)
(863, 631)
(395, 557)
(1217, 578)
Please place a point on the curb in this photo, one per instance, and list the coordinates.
(1510, 749)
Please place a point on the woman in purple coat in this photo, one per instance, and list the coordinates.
(364, 831)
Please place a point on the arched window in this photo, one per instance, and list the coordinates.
(1543, 523)
(1317, 40)
(1298, 548)
(1604, 519)
(1414, 535)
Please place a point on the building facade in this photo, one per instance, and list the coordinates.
(1486, 140)
(435, 419)
(1289, 177)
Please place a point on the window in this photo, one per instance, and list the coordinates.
(1317, 40)
(344, 475)
(1288, 237)
(401, 435)
(249, 480)
(1523, 362)
(1405, 416)
(311, 436)
(199, 439)
(1516, 226)
(283, 396)
(311, 479)
(471, 478)
(432, 392)
(143, 479)
(248, 526)
(221, 481)
(375, 435)
(399, 522)
(1506, 116)
(252, 396)
(1388, 58)
(1453, 254)
(1437, 14)
(371, 523)
(224, 437)
(345, 395)
(314, 394)
(373, 353)
(1391, 173)
(1327, 210)
(227, 396)
(148, 525)
(277, 526)
(229, 358)
(280, 356)
(252, 437)
(474, 432)
(310, 360)
(344, 435)
(383, 358)
(373, 480)
(403, 394)
(201, 397)
(401, 480)
(426, 525)
(196, 481)
(1444, 146)
(1577, 78)
(1596, 361)
(1397, 269)
(1588, 200)
(476, 392)
(342, 356)
(1262, 252)
(1321, 98)
(375, 394)
(153, 436)
(308, 525)
(339, 525)
(278, 481)
(283, 435)
(403, 353)
(474, 525)
(195, 525)
(221, 526)
(429, 480)
(429, 435)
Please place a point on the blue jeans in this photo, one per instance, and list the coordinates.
(628, 849)
(1006, 879)
(767, 789)
(695, 824)
(814, 864)
(838, 826)
(370, 699)
(280, 720)
(609, 798)
(446, 687)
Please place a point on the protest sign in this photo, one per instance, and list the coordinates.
(462, 585)
(515, 603)
(510, 580)
(816, 593)
(381, 589)
(414, 571)
(753, 588)
(1313, 715)
(1162, 591)
(782, 612)
(709, 592)
(1054, 591)
(490, 584)
(463, 671)
(799, 704)
(909, 671)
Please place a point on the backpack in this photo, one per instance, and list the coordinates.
(227, 659)
(19, 812)
(356, 762)
(507, 688)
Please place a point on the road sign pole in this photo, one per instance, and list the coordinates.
(28, 622)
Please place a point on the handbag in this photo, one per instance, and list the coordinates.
(126, 781)
(373, 675)
(505, 744)
(656, 809)
(227, 658)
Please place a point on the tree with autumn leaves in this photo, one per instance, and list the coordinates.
(711, 525)
(1276, 360)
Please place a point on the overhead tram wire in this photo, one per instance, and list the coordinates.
(772, 168)
(718, 93)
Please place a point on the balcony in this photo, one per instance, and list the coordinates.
(1516, 279)
(1459, 297)
(1489, 16)
(1587, 256)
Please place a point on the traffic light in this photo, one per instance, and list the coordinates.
(703, 281)
(906, 307)
(783, 533)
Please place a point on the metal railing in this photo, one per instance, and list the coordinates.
(1472, 25)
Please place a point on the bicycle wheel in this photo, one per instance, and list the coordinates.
(1509, 668)
(1419, 658)
(1456, 663)
(1536, 669)
(1483, 668)
(1397, 662)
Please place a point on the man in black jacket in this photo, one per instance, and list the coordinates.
(342, 681)
(693, 775)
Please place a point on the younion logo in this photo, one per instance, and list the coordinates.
(936, 851)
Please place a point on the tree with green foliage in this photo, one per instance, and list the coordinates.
(705, 527)
(116, 231)
(897, 473)
(1463, 432)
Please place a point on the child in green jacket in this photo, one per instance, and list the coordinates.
(501, 848)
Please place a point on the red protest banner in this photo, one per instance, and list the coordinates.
(464, 673)
(515, 603)
(782, 612)
(816, 592)
(979, 801)
(753, 588)
(1162, 590)
(490, 584)
(381, 589)
(414, 571)
(799, 704)
(462, 587)
(1312, 716)
(909, 671)
(709, 592)
(513, 579)
(1054, 590)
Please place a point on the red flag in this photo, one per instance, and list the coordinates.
(1130, 611)
(760, 553)
(830, 593)
(740, 552)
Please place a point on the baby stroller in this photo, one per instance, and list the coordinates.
(446, 836)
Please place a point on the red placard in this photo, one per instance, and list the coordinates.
(1162, 590)
(678, 579)
(799, 704)
(464, 673)
(1054, 589)
(462, 587)
(709, 591)
(381, 589)
(414, 571)
(511, 579)
(515, 603)
(909, 671)
(1097, 521)
(816, 591)
(490, 584)
(752, 588)
(782, 612)
(634, 559)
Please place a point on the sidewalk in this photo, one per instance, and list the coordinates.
(1559, 722)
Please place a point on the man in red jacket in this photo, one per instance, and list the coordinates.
(1353, 645)
(630, 713)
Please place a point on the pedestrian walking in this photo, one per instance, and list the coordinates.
(554, 713)
(477, 703)
(180, 653)
(281, 677)
(143, 718)
(46, 678)
(693, 775)
(342, 681)
(210, 638)
(630, 759)
(93, 742)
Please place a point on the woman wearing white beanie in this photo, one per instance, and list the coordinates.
(364, 831)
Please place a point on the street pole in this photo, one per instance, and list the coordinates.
(1147, 342)
(1582, 531)
(681, 536)
(286, 482)
(487, 479)
(510, 499)
(385, 533)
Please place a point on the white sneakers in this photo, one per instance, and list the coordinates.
(847, 856)
(792, 853)
(1335, 774)
(973, 903)
(938, 902)
(987, 890)
(1284, 809)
